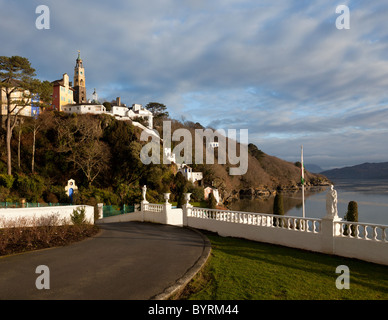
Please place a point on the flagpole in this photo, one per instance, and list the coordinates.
(302, 180)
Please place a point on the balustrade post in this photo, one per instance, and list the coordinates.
(374, 233)
(100, 211)
(330, 228)
(144, 202)
(166, 207)
(186, 209)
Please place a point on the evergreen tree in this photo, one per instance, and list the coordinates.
(278, 208)
(278, 204)
(351, 215)
(212, 201)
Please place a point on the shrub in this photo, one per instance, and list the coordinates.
(57, 193)
(351, 215)
(29, 187)
(212, 201)
(278, 204)
(278, 208)
(92, 196)
(4, 192)
(128, 194)
(6, 180)
(196, 193)
(78, 216)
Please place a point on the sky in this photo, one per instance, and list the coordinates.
(281, 69)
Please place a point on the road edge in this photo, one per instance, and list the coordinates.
(190, 273)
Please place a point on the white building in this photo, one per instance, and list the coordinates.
(28, 110)
(213, 144)
(169, 155)
(190, 175)
(84, 108)
(120, 112)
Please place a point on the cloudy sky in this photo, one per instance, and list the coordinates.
(280, 69)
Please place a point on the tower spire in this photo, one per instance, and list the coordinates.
(79, 81)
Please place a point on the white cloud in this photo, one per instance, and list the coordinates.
(280, 68)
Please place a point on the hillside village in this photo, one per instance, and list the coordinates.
(264, 176)
(71, 98)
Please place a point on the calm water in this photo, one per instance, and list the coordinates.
(371, 196)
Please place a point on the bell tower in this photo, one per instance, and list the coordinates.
(79, 81)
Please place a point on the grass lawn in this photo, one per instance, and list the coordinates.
(240, 269)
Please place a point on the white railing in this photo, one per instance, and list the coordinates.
(259, 219)
(366, 231)
(363, 241)
(152, 207)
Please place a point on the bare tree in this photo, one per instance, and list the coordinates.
(80, 137)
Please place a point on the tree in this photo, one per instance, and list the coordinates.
(159, 112)
(18, 84)
(79, 137)
(351, 215)
(278, 204)
(36, 125)
(278, 208)
(180, 186)
(107, 105)
(212, 202)
(19, 131)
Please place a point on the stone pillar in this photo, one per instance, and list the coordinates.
(329, 227)
(329, 230)
(144, 202)
(186, 208)
(100, 210)
(166, 207)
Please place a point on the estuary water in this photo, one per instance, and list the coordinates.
(370, 195)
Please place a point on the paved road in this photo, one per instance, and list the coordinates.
(129, 260)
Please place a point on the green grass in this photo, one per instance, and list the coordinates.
(245, 270)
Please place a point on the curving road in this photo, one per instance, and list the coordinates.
(127, 260)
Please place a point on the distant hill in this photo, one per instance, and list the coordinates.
(265, 174)
(361, 171)
(313, 168)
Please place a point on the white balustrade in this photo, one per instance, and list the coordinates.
(366, 231)
(258, 219)
(347, 229)
(152, 207)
